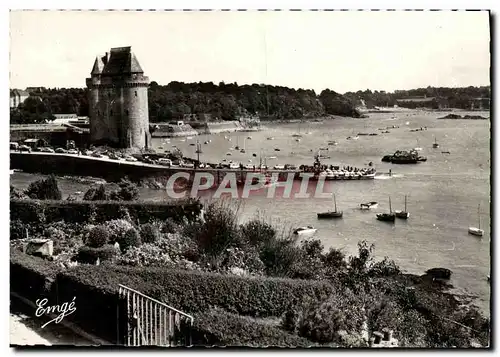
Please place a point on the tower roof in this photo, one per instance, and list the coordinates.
(98, 66)
(122, 61)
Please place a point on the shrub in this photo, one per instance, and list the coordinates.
(117, 229)
(44, 189)
(17, 194)
(219, 328)
(146, 255)
(31, 276)
(194, 291)
(322, 321)
(128, 191)
(219, 231)
(96, 194)
(169, 226)
(35, 211)
(258, 233)
(130, 239)
(89, 255)
(150, 233)
(280, 257)
(17, 230)
(98, 237)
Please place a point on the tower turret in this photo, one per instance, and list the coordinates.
(118, 99)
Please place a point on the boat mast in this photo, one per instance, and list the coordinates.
(479, 216)
(335, 202)
(405, 204)
(390, 207)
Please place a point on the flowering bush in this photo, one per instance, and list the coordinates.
(145, 255)
(130, 239)
(242, 262)
(150, 233)
(117, 229)
(98, 237)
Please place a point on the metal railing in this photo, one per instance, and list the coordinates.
(153, 323)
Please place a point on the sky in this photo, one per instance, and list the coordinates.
(340, 50)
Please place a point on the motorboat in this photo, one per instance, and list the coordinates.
(387, 217)
(403, 214)
(477, 231)
(305, 231)
(332, 142)
(368, 205)
(331, 214)
(277, 149)
(270, 138)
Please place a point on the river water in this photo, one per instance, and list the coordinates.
(443, 193)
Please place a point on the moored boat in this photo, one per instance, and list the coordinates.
(435, 145)
(477, 231)
(368, 205)
(403, 214)
(387, 217)
(305, 231)
(331, 214)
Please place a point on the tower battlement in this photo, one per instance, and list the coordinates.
(118, 99)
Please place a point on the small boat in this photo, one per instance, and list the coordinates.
(368, 205)
(192, 144)
(332, 142)
(387, 217)
(477, 231)
(270, 138)
(199, 151)
(403, 214)
(237, 147)
(326, 149)
(306, 231)
(206, 142)
(160, 147)
(276, 149)
(331, 214)
(297, 140)
(249, 137)
(182, 140)
(435, 145)
(272, 157)
(228, 154)
(189, 137)
(243, 151)
(445, 152)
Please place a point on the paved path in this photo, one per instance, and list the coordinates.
(25, 329)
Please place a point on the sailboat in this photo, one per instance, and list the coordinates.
(403, 214)
(477, 231)
(418, 148)
(237, 147)
(435, 145)
(243, 150)
(387, 217)
(297, 135)
(331, 214)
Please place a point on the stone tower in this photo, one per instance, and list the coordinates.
(118, 101)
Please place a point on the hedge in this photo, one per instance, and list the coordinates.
(220, 328)
(194, 291)
(31, 276)
(40, 211)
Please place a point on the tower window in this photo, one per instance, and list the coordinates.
(135, 92)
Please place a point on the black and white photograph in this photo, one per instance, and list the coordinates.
(250, 179)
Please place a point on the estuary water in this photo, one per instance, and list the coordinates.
(443, 193)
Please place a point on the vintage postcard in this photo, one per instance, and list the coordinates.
(294, 179)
